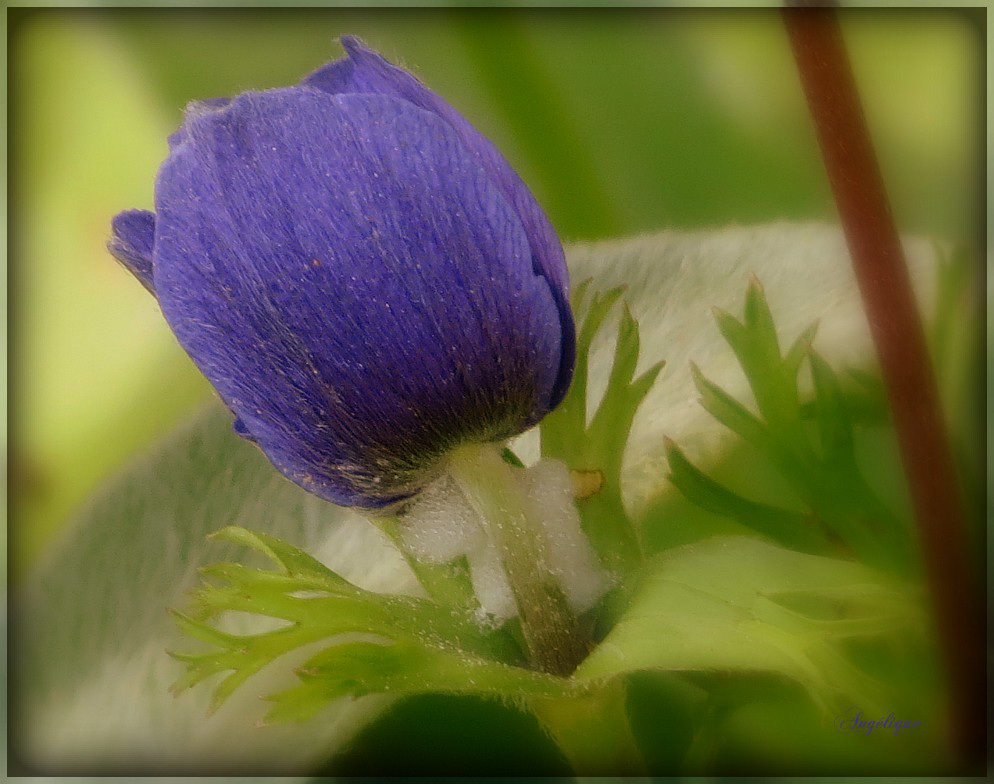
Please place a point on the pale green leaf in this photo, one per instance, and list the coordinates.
(738, 604)
(406, 668)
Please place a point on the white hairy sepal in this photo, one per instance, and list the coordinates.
(442, 525)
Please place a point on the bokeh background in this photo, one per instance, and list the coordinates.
(621, 121)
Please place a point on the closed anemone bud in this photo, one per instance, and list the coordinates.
(359, 273)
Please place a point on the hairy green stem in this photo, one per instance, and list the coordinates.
(554, 640)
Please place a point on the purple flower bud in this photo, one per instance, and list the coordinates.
(360, 274)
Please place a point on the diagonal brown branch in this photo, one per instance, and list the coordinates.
(900, 341)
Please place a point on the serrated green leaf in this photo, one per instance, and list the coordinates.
(831, 482)
(202, 631)
(759, 318)
(295, 562)
(599, 447)
(792, 529)
(834, 425)
(708, 607)
(247, 578)
(608, 431)
(755, 344)
(600, 306)
(727, 410)
(798, 350)
(732, 330)
(354, 669)
(242, 536)
(626, 353)
(579, 294)
(563, 429)
(316, 605)
(675, 279)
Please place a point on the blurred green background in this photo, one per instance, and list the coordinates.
(621, 121)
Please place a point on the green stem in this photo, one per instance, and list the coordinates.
(592, 731)
(555, 644)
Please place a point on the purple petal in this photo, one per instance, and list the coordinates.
(239, 427)
(351, 280)
(366, 72)
(195, 108)
(132, 243)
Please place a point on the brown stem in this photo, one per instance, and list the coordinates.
(900, 342)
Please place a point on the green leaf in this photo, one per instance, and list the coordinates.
(730, 412)
(730, 604)
(357, 668)
(598, 447)
(826, 476)
(563, 430)
(313, 604)
(834, 424)
(799, 350)
(673, 281)
(294, 562)
(789, 528)
(755, 344)
(579, 294)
